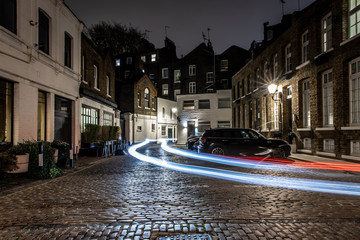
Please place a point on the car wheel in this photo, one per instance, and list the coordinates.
(218, 150)
(279, 153)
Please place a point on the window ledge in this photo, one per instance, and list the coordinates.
(97, 89)
(326, 154)
(322, 53)
(351, 157)
(349, 40)
(85, 82)
(304, 129)
(325, 129)
(288, 72)
(351, 128)
(108, 95)
(303, 65)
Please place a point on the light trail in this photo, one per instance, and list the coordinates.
(335, 187)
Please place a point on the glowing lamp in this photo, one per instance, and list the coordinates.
(272, 88)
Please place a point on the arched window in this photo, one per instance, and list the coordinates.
(147, 98)
(163, 112)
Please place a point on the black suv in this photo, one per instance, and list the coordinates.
(242, 142)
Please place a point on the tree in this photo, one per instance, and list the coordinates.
(117, 38)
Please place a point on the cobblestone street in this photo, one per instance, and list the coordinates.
(124, 198)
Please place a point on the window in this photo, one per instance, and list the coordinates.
(224, 65)
(147, 98)
(96, 77)
(188, 105)
(354, 74)
(202, 126)
(6, 108)
(153, 103)
(204, 104)
(143, 58)
(209, 77)
(153, 127)
(108, 85)
(165, 89)
(88, 115)
(127, 74)
(329, 145)
(307, 143)
(139, 99)
(176, 92)
(289, 92)
(192, 70)
(83, 72)
(354, 18)
(224, 103)
(152, 76)
(107, 119)
(355, 148)
(165, 73)
(305, 46)
(306, 102)
(117, 62)
(177, 75)
(138, 128)
(192, 87)
(288, 65)
(68, 50)
(163, 112)
(129, 60)
(44, 31)
(224, 83)
(163, 130)
(153, 57)
(41, 116)
(327, 83)
(326, 33)
(8, 15)
(223, 124)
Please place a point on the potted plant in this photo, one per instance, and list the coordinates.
(61, 150)
(22, 158)
(7, 163)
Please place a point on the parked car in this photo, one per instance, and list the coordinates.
(192, 142)
(242, 142)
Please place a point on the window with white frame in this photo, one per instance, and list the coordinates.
(153, 127)
(209, 77)
(276, 111)
(129, 60)
(224, 103)
(326, 33)
(192, 70)
(163, 130)
(126, 74)
(289, 92)
(152, 76)
(153, 57)
(153, 103)
(354, 78)
(354, 18)
(329, 145)
(327, 87)
(165, 73)
(306, 102)
(355, 147)
(177, 75)
(275, 66)
(108, 85)
(288, 63)
(165, 89)
(307, 143)
(147, 98)
(139, 99)
(139, 128)
(305, 46)
(192, 87)
(89, 115)
(188, 105)
(176, 92)
(224, 65)
(204, 104)
(223, 124)
(202, 125)
(96, 77)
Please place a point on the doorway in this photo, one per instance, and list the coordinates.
(62, 119)
(191, 128)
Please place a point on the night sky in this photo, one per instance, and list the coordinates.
(232, 22)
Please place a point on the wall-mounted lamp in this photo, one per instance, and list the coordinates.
(33, 23)
(174, 109)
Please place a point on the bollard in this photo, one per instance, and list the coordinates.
(41, 155)
(71, 156)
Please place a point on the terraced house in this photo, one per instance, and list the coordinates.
(302, 82)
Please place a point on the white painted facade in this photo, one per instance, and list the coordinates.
(167, 118)
(139, 127)
(215, 115)
(31, 70)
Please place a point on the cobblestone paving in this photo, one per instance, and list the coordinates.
(123, 198)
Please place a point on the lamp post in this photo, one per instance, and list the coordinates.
(276, 92)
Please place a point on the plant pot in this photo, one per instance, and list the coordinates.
(56, 155)
(22, 162)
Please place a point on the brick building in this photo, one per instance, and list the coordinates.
(313, 59)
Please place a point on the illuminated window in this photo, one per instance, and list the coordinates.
(8, 15)
(153, 57)
(306, 102)
(139, 99)
(326, 33)
(147, 98)
(188, 105)
(192, 70)
(327, 83)
(41, 116)
(165, 89)
(89, 115)
(117, 62)
(177, 75)
(305, 46)
(143, 59)
(289, 92)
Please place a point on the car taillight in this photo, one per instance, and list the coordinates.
(203, 140)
